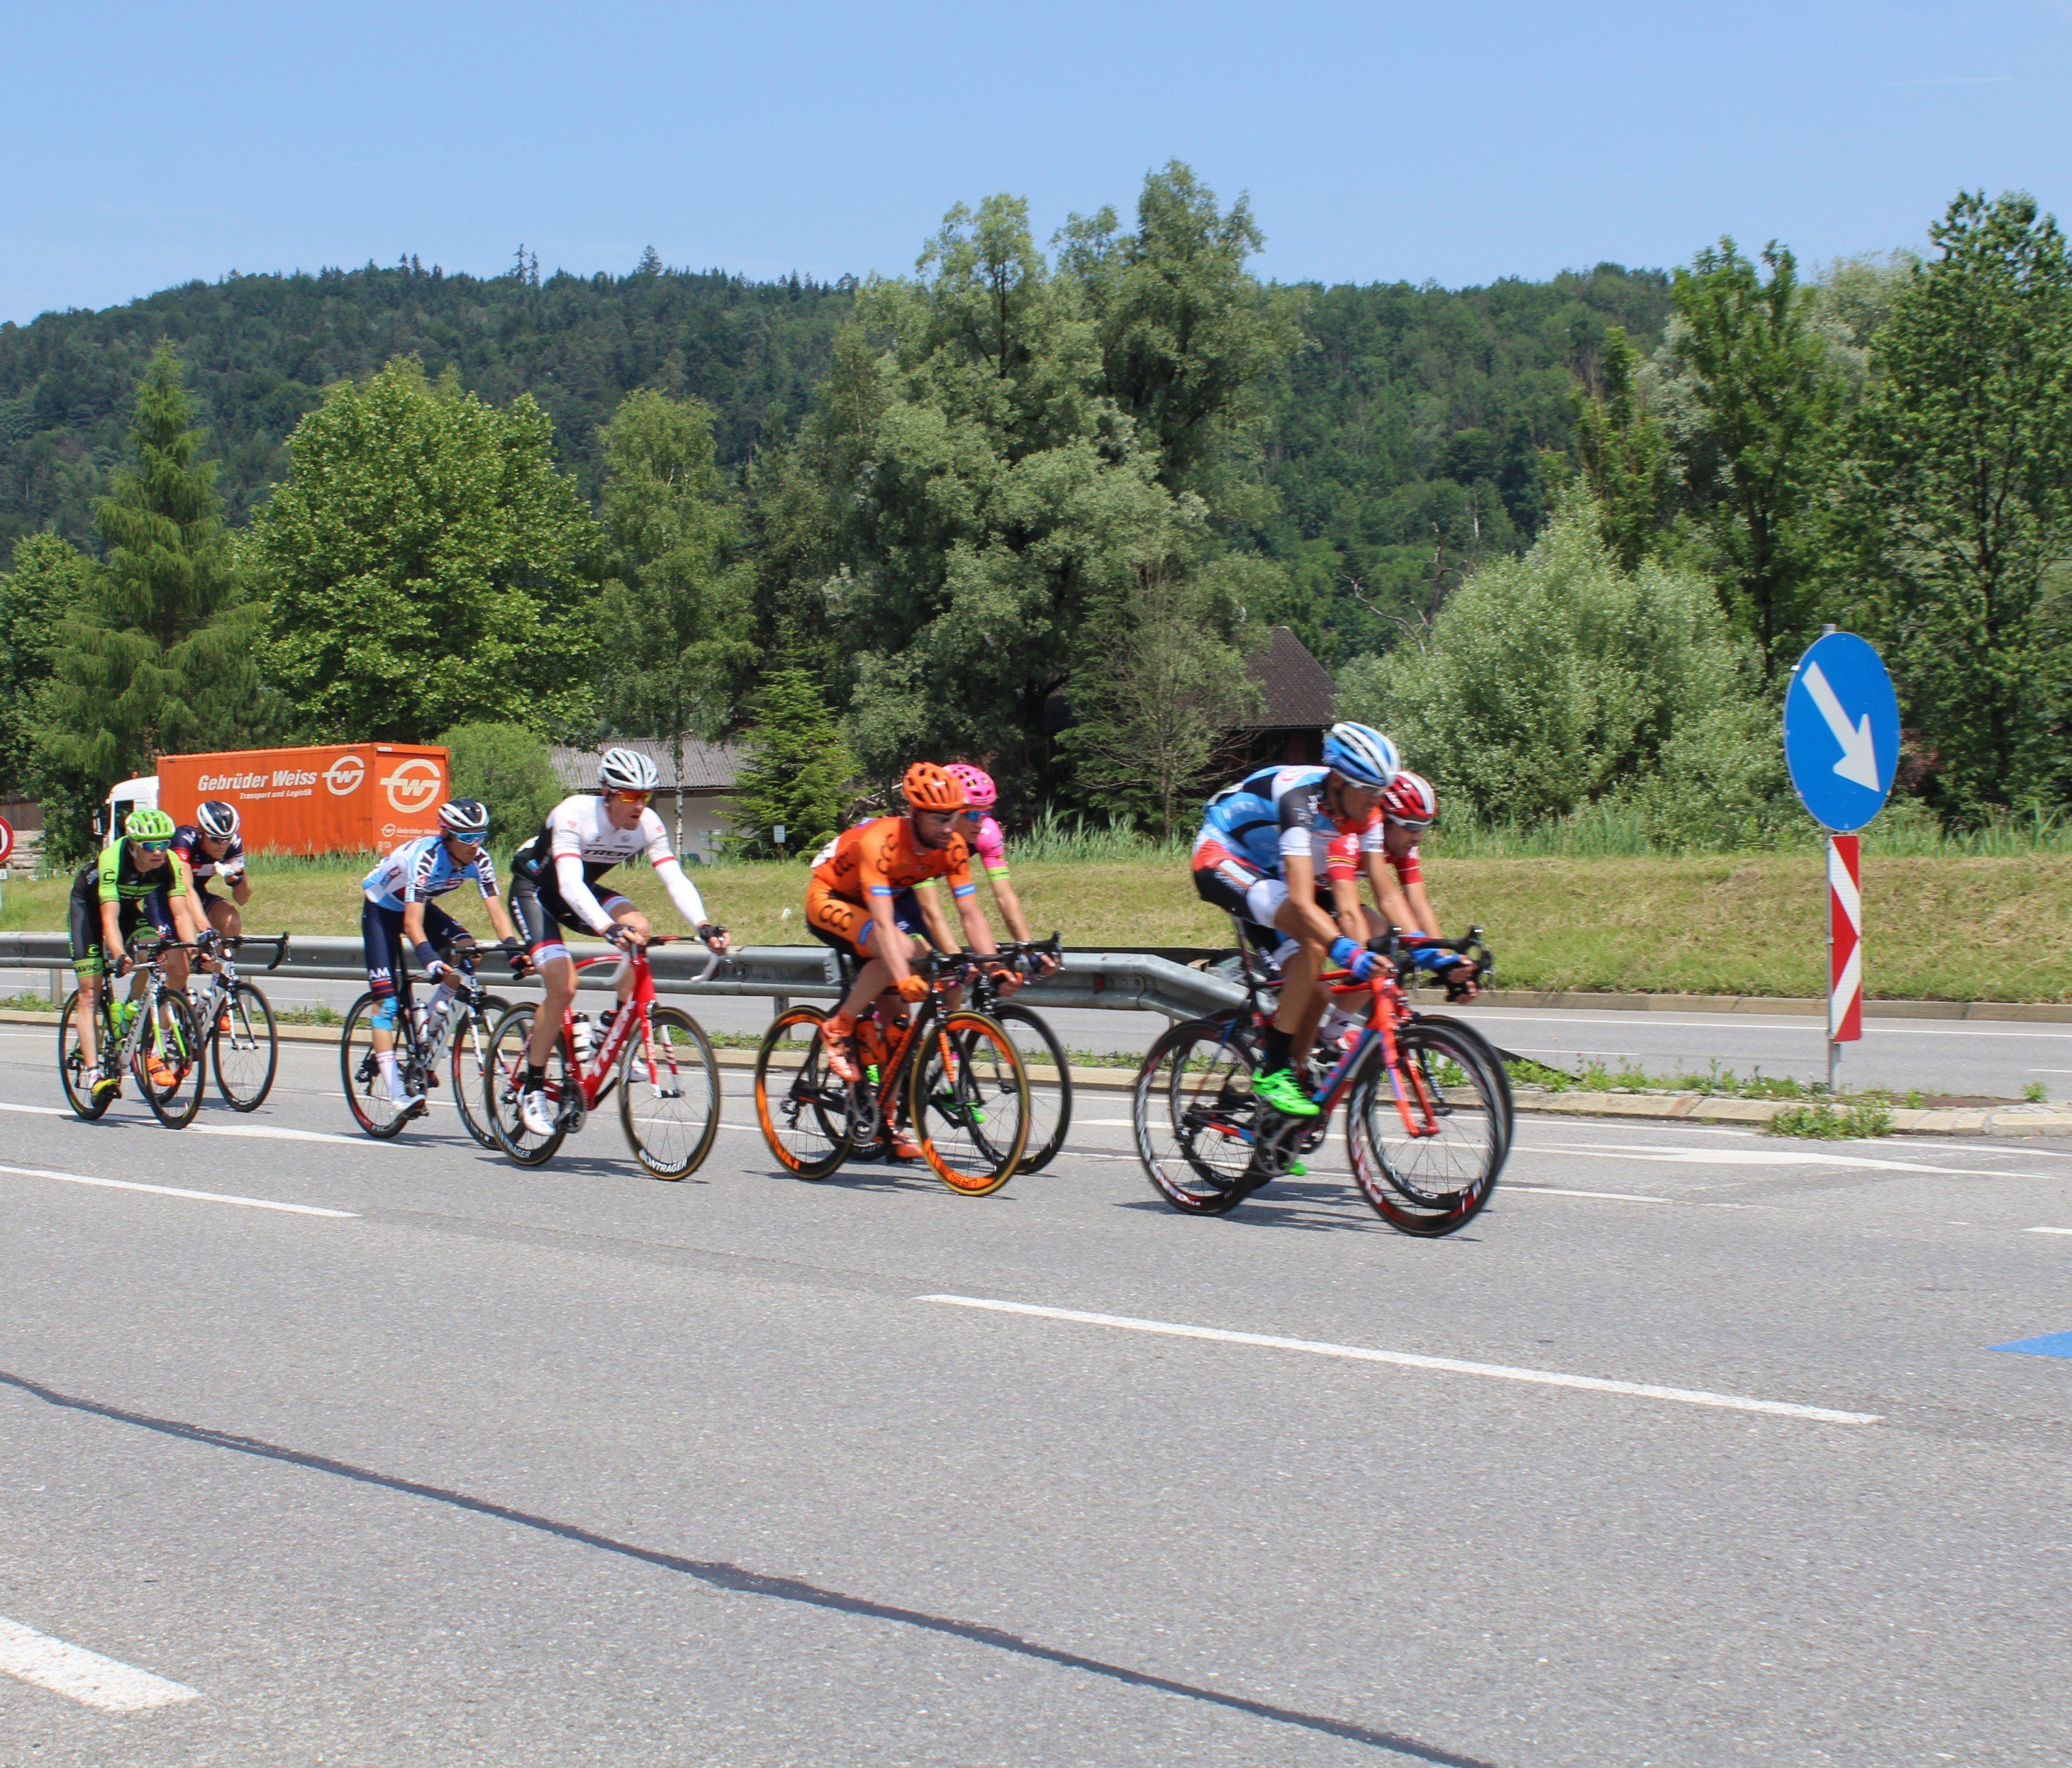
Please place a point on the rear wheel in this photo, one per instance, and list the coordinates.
(171, 1037)
(1050, 1085)
(1192, 1111)
(246, 1048)
(1428, 1137)
(73, 1070)
(366, 1091)
(470, 1066)
(807, 1113)
(668, 1094)
(504, 1080)
(969, 1102)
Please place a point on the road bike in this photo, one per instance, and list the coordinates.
(1429, 1107)
(159, 1027)
(659, 1057)
(237, 1020)
(953, 1075)
(1049, 1100)
(451, 1030)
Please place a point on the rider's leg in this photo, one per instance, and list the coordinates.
(88, 1017)
(557, 978)
(623, 914)
(224, 917)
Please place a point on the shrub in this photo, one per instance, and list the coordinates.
(507, 767)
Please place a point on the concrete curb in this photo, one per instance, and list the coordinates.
(1684, 1108)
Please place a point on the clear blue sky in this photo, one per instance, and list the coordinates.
(142, 145)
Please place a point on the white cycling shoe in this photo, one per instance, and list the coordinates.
(536, 1110)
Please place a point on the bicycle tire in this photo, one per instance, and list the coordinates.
(468, 1066)
(180, 1046)
(502, 1084)
(695, 1067)
(1429, 1164)
(251, 1019)
(71, 1064)
(961, 1083)
(1493, 1062)
(810, 1123)
(366, 1092)
(1050, 1109)
(1191, 1113)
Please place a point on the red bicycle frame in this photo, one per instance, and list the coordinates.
(1386, 1010)
(596, 1080)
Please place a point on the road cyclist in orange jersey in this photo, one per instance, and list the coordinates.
(1264, 855)
(861, 901)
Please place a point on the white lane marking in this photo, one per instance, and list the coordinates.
(264, 1132)
(83, 1675)
(1760, 1157)
(177, 1190)
(1404, 1359)
(40, 1111)
(2047, 1231)
(1610, 1197)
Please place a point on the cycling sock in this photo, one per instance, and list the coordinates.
(385, 1061)
(536, 1075)
(1274, 1055)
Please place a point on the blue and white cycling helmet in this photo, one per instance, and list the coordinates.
(1362, 755)
(466, 817)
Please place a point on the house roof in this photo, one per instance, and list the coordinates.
(1299, 691)
(708, 766)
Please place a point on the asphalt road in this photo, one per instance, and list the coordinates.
(452, 1461)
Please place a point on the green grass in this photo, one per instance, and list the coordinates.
(1830, 1123)
(1716, 1081)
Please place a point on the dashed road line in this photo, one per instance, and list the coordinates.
(181, 1191)
(83, 1675)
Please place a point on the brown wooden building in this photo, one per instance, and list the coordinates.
(1297, 696)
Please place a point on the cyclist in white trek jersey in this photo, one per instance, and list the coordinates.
(554, 879)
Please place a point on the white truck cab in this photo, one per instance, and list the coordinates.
(131, 795)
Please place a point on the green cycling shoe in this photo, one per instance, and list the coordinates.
(1284, 1092)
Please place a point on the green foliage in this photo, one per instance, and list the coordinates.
(508, 768)
(50, 578)
(672, 611)
(1625, 456)
(156, 656)
(1827, 1122)
(1757, 460)
(799, 774)
(1960, 494)
(1560, 679)
(426, 565)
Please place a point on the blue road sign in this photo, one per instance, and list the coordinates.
(1841, 732)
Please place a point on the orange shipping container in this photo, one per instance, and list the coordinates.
(346, 798)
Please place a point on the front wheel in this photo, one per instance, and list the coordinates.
(1049, 1099)
(469, 1064)
(504, 1081)
(668, 1094)
(367, 1093)
(808, 1113)
(1427, 1138)
(1192, 1110)
(173, 1040)
(77, 1078)
(969, 1102)
(246, 1047)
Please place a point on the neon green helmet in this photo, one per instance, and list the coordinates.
(147, 824)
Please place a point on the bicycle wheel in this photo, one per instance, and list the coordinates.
(668, 1094)
(502, 1080)
(172, 1037)
(470, 1066)
(366, 1092)
(968, 1097)
(1426, 1139)
(1050, 1087)
(72, 1070)
(808, 1113)
(246, 1048)
(1191, 1111)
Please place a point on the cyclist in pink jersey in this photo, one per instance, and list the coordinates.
(981, 830)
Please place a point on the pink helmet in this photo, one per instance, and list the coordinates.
(1410, 800)
(979, 789)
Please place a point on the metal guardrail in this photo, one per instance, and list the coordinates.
(1120, 981)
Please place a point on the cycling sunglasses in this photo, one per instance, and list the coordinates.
(619, 795)
(153, 847)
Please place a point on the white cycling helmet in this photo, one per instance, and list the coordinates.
(626, 771)
(1362, 754)
(466, 817)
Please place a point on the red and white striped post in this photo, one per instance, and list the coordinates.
(1845, 954)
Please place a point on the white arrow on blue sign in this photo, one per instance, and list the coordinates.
(1841, 732)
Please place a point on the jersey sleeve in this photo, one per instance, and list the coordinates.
(873, 858)
(958, 870)
(1409, 868)
(420, 873)
(1295, 809)
(655, 838)
(992, 846)
(183, 878)
(111, 872)
(564, 831)
(484, 869)
(1342, 858)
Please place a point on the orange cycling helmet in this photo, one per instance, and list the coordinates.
(927, 787)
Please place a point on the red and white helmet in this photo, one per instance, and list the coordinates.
(980, 792)
(1409, 800)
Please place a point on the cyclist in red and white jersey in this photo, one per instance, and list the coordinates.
(1387, 852)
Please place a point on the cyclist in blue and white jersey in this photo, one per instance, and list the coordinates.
(1265, 852)
(400, 915)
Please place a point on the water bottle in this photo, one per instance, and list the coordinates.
(586, 1037)
(435, 1014)
(1340, 1030)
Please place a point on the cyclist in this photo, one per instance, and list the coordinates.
(861, 901)
(553, 877)
(213, 848)
(137, 877)
(1408, 808)
(400, 915)
(1262, 845)
(983, 835)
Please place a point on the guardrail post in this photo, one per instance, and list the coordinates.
(779, 1005)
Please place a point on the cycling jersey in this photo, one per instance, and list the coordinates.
(1347, 846)
(119, 878)
(421, 869)
(883, 858)
(152, 904)
(990, 844)
(1279, 811)
(188, 843)
(578, 844)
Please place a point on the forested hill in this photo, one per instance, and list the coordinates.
(1414, 414)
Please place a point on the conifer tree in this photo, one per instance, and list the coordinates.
(800, 774)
